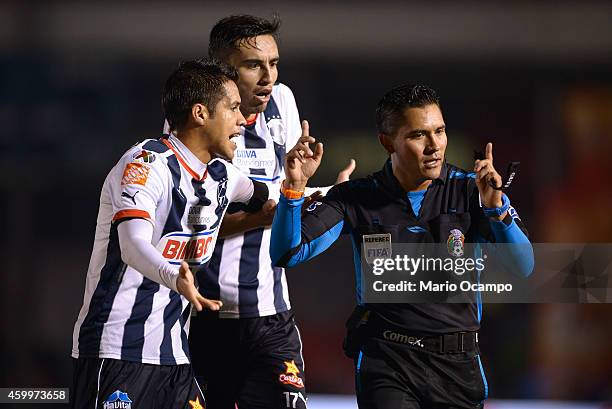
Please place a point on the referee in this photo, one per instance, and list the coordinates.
(406, 355)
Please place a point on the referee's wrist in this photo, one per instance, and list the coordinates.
(293, 189)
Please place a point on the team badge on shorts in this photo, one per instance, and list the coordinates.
(376, 246)
(117, 400)
(455, 242)
(290, 377)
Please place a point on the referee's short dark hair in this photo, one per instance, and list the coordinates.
(231, 32)
(391, 107)
(198, 81)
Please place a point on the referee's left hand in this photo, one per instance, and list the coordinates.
(345, 174)
(486, 178)
(185, 284)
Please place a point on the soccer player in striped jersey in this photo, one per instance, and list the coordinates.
(160, 212)
(255, 357)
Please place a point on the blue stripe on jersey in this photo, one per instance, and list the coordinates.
(133, 333)
(248, 269)
(172, 314)
(357, 262)
(218, 172)
(279, 300)
(457, 174)
(264, 179)
(208, 274)
(271, 111)
(179, 201)
(317, 246)
(90, 333)
(183, 320)
(155, 145)
(416, 199)
(252, 140)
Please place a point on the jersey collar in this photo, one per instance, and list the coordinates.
(186, 158)
(390, 182)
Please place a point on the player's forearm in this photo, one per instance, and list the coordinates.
(514, 249)
(295, 241)
(138, 252)
(286, 229)
(241, 222)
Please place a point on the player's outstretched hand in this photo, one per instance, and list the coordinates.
(345, 174)
(185, 284)
(486, 178)
(301, 162)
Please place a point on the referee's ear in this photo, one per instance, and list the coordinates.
(387, 142)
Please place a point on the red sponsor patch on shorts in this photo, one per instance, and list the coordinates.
(291, 375)
(135, 174)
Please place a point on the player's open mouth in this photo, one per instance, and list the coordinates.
(234, 135)
(263, 95)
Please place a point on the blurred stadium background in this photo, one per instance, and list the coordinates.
(80, 82)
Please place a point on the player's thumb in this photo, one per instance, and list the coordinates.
(184, 269)
(269, 205)
(318, 152)
(213, 305)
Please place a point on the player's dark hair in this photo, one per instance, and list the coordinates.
(391, 107)
(231, 32)
(198, 81)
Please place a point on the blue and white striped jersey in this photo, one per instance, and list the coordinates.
(125, 315)
(240, 272)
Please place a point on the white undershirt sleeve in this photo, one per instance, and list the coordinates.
(138, 252)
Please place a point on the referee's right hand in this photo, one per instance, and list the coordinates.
(185, 284)
(301, 162)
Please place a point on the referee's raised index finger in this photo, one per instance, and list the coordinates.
(305, 128)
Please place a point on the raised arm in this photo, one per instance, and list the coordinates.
(295, 238)
(504, 224)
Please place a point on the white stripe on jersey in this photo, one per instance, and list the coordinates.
(125, 315)
(228, 279)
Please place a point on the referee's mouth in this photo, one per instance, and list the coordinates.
(432, 163)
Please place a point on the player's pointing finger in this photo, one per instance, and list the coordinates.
(305, 128)
(489, 151)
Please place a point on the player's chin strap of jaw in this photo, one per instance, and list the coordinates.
(513, 168)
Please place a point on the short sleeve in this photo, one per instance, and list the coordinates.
(290, 115)
(136, 185)
(240, 186)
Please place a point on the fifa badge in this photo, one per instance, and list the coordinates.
(376, 246)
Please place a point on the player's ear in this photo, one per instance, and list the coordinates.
(199, 114)
(387, 142)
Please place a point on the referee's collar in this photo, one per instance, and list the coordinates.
(389, 179)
